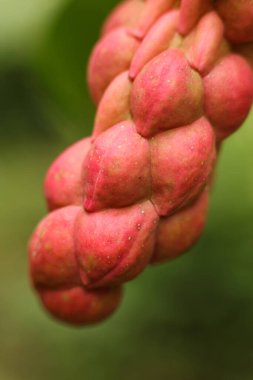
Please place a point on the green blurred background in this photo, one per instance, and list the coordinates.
(191, 319)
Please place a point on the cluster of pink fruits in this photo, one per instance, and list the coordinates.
(171, 80)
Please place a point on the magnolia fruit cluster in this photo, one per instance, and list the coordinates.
(171, 80)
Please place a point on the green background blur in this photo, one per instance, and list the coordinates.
(191, 319)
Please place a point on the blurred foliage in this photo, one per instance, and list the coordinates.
(23, 24)
(188, 320)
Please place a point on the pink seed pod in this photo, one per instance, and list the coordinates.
(111, 56)
(115, 245)
(205, 44)
(166, 94)
(63, 185)
(178, 233)
(117, 169)
(182, 162)
(228, 94)
(52, 252)
(78, 306)
(114, 106)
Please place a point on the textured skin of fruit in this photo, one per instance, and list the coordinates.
(108, 243)
(119, 153)
(166, 94)
(171, 80)
(182, 162)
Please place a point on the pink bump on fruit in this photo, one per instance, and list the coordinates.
(110, 57)
(114, 105)
(182, 161)
(228, 94)
(117, 169)
(78, 306)
(52, 252)
(115, 245)
(166, 94)
(204, 44)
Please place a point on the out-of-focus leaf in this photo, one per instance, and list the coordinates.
(22, 23)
